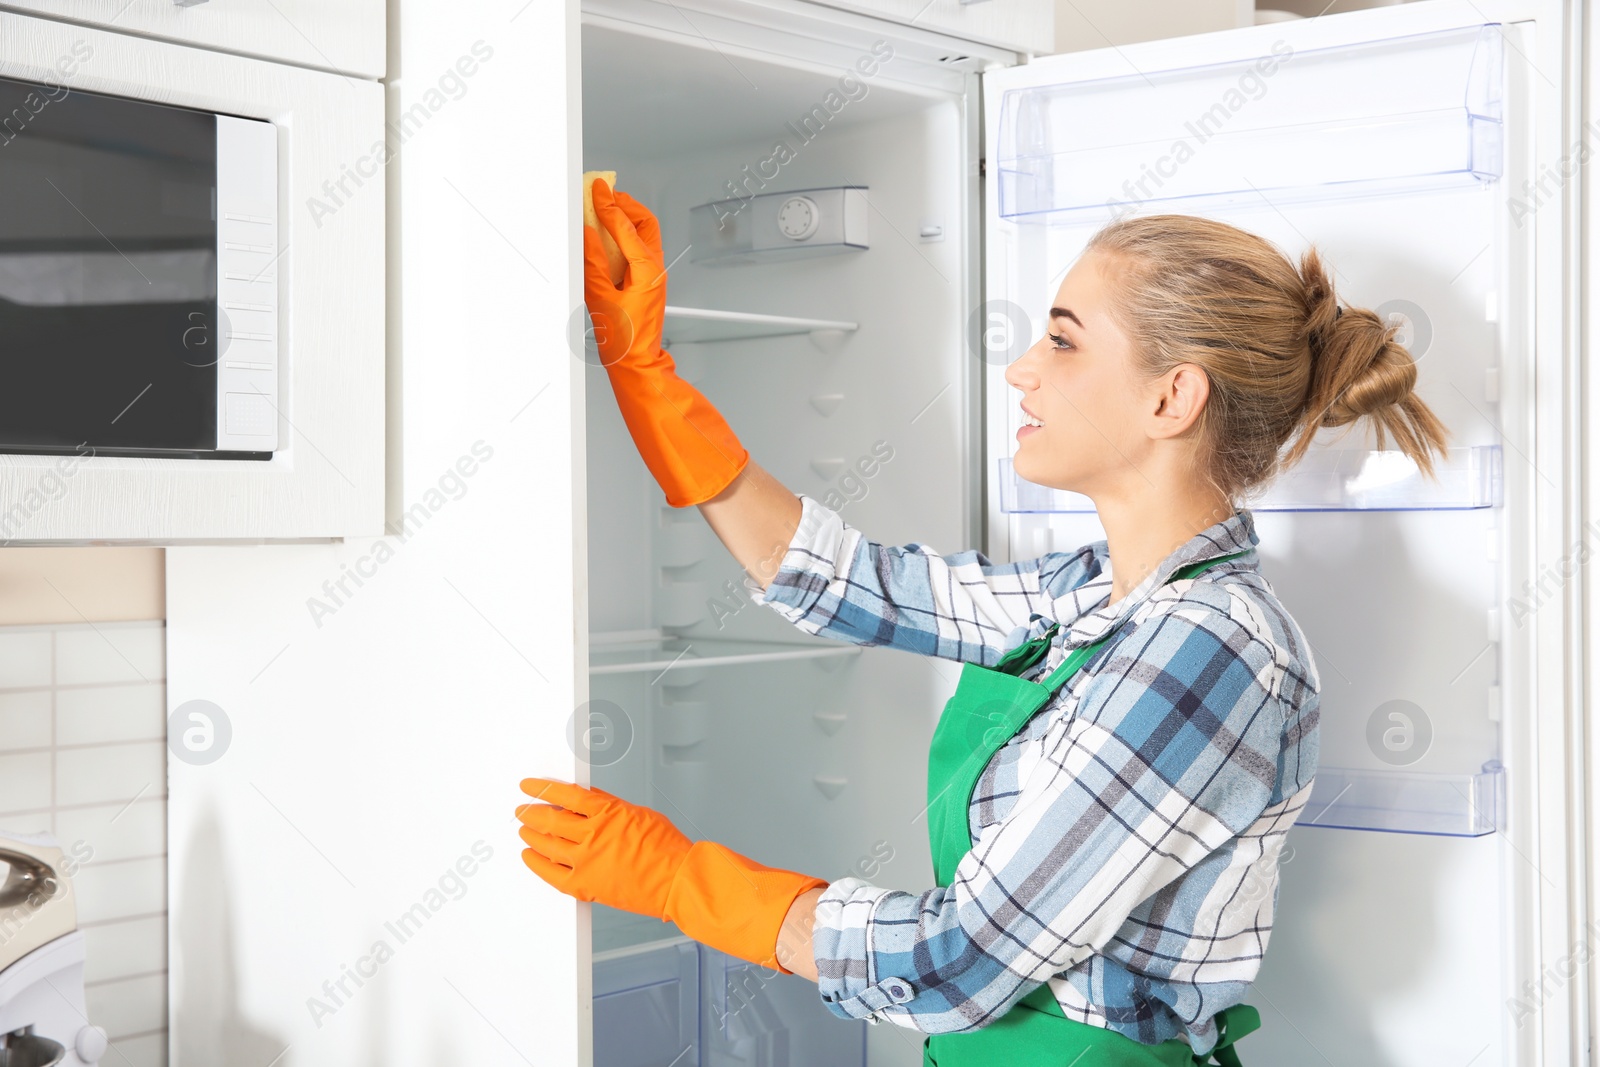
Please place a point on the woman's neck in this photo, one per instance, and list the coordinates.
(1148, 524)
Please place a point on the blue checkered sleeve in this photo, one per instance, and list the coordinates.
(1169, 755)
(835, 583)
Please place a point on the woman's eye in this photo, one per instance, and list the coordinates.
(1060, 341)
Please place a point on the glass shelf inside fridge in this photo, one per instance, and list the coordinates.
(1407, 802)
(650, 650)
(698, 325)
(1413, 113)
(1468, 478)
(616, 931)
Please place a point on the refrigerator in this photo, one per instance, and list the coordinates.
(864, 223)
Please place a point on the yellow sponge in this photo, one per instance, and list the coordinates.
(615, 260)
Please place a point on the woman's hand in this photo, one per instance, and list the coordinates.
(682, 438)
(628, 317)
(598, 847)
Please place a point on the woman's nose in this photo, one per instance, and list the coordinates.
(1021, 373)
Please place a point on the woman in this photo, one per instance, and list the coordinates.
(1135, 729)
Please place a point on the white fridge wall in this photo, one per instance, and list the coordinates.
(738, 754)
(371, 753)
(1389, 948)
(903, 380)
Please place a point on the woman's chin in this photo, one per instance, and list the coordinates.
(1026, 463)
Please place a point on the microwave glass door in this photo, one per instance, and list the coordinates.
(109, 330)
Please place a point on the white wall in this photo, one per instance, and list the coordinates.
(375, 746)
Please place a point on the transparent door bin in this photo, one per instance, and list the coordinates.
(699, 325)
(647, 1008)
(648, 650)
(1407, 802)
(1326, 480)
(1415, 112)
(759, 1018)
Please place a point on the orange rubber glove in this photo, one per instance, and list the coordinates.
(598, 847)
(682, 438)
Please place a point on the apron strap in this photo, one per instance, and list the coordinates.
(1233, 1023)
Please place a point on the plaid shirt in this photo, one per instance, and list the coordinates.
(1127, 839)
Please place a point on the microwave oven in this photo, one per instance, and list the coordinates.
(139, 269)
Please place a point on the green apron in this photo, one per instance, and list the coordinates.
(989, 707)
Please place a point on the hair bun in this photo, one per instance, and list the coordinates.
(1373, 371)
(1357, 368)
(1322, 305)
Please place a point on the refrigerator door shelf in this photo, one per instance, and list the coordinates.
(647, 651)
(698, 325)
(1412, 113)
(1407, 802)
(1327, 480)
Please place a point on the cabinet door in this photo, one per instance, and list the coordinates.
(327, 477)
(1022, 25)
(339, 35)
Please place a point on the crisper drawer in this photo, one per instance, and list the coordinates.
(685, 1005)
(341, 35)
(646, 1007)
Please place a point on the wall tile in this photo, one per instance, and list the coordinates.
(35, 822)
(111, 713)
(149, 1050)
(128, 1006)
(111, 652)
(92, 700)
(124, 948)
(24, 782)
(25, 719)
(139, 830)
(115, 772)
(24, 658)
(119, 890)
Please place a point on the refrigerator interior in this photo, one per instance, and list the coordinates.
(799, 752)
(1395, 158)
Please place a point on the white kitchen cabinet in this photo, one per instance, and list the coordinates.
(377, 744)
(327, 478)
(346, 36)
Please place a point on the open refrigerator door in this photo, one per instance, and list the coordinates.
(1401, 142)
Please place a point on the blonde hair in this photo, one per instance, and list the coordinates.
(1283, 359)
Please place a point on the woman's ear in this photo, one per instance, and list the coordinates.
(1181, 397)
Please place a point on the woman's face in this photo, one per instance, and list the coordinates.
(1080, 388)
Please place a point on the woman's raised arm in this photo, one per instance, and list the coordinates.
(756, 517)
